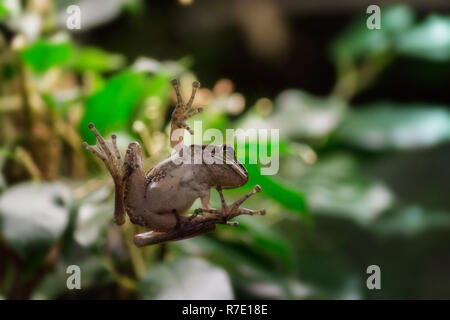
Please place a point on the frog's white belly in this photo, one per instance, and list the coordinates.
(176, 191)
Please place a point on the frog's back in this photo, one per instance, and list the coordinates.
(197, 166)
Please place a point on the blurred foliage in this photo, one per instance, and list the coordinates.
(332, 210)
(386, 126)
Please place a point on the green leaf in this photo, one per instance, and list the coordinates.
(428, 40)
(33, 216)
(94, 215)
(384, 126)
(263, 237)
(4, 12)
(272, 186)
(301, 115)
(44, 54)
(159, 86)
(298, 114)
(97, 60)
(357, 41)
(278, 190)
(335, 187)
(186, 279)
(54, 285)
(209, 120)
(249, 274)
(340, 282)
(111, 107)
(411, 221)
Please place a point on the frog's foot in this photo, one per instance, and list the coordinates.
(108, 152)
(183, 111)
(227, 212)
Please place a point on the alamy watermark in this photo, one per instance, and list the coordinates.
(374, 20)
(253, 146)
(74, 17)
(374, 280)
(74, 280)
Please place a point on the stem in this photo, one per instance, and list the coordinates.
(353, 79)
(25, 158)
(136, 256)
(123, 281)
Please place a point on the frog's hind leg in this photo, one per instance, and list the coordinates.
(108, 152)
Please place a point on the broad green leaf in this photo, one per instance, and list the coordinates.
(338, 283)
(385, 126)
(278, 190)
(249, 273)
(95, 59)
(44, 54)
(358, 41)
(94, 215)
(263, 237)
(33, 216)
(428, 40)
(251, 120)
(159, 86)
(335, 187)
(157, 91)
(412, 221)
(297, 114)
(54, 285)
(209, 120)
(4, 12)
(301, 115)
(252, 150)
(272, 186)
(111, 107)
(186, 278)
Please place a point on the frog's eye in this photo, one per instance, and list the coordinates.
(228, 149)
(229, 153)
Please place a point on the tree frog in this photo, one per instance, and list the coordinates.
(160, 198)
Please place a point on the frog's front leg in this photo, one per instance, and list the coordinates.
(121, 169)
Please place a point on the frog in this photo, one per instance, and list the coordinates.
(159, 199)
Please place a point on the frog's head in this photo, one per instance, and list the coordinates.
(229, 172)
